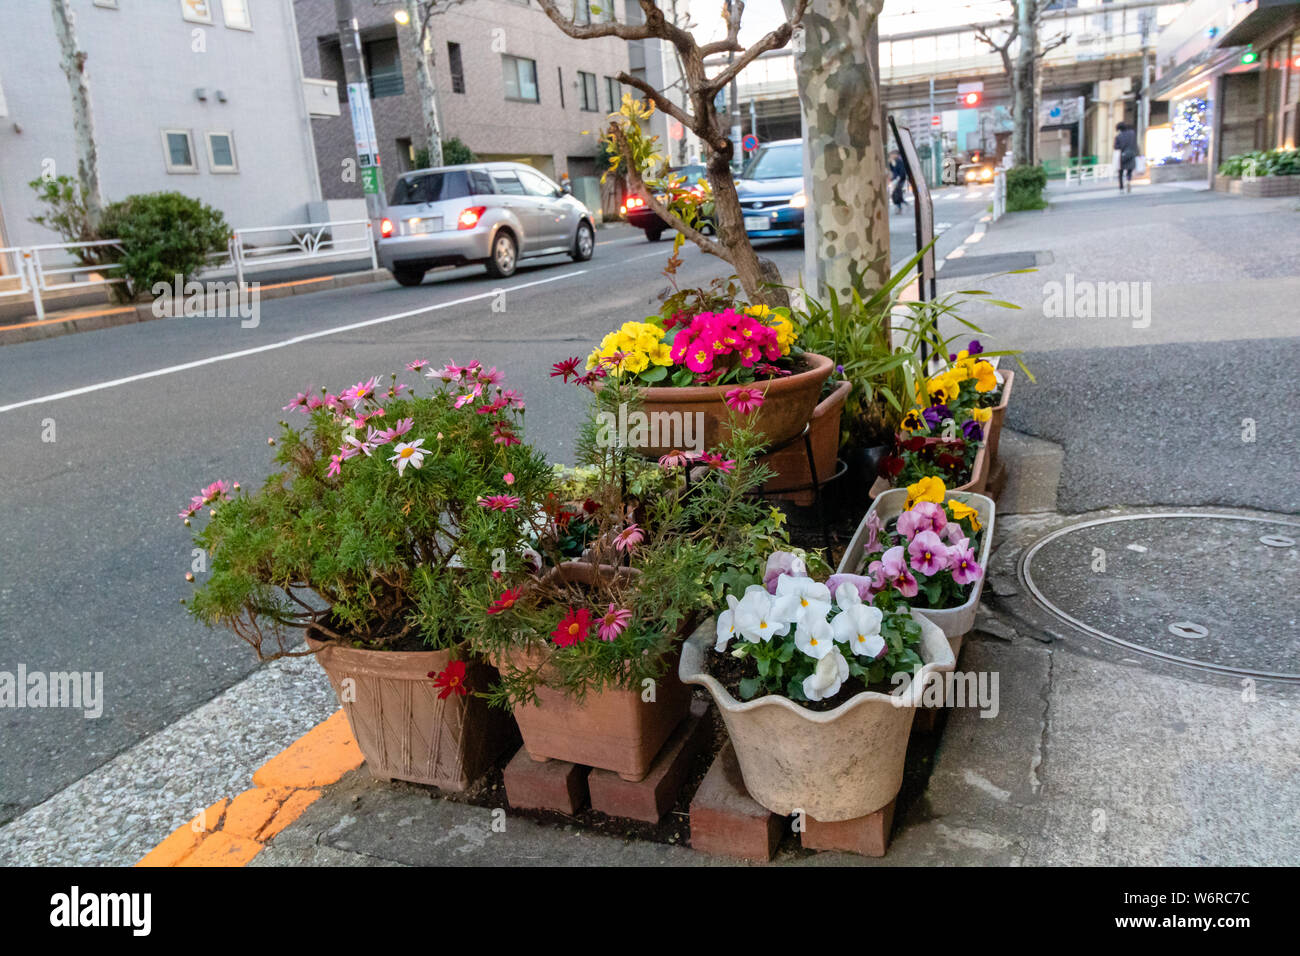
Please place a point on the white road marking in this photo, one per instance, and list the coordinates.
(306, 337)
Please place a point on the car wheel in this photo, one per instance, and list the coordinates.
(654, 232)
(408, 275)
(584, 242)
(505, 256)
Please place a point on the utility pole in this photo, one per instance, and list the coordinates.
(363, 120)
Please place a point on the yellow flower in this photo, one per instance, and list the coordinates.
(661, 353)
(928, 488)
(785, 333)
(960, 512)
(758, 311)
(636, 362)
(913, 422)
(945, 384)
(985, 378)
(981, 415)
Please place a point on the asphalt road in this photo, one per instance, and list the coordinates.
(146, 414)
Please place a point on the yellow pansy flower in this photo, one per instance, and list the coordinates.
(960, 512)
(981, 415)
(928, 488)
(912, 421)
(758, 311)
(985, 378)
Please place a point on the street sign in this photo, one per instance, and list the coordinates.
(936, 121)
(750, 143)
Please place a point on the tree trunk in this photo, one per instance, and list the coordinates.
(424, 78)
(73, 62)
(1022, 141)
(755, 273)
(848, 226)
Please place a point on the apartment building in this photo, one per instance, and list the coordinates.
(511, 86)
(202, 97)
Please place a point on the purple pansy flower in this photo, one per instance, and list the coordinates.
(928, 553)
(893, 566)
(974, 348)
(972, 430)
(965, 569)
(935, 414)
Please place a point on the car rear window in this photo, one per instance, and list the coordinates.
(777, 162)
(430, 187)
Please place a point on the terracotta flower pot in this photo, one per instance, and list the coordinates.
(404, 731)
(787, 406)
(979, 474)
(791, 464)
(999, 416)
(954, 621)
(612, 729)
(834, 765)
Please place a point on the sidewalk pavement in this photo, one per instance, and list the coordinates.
(1098, 754)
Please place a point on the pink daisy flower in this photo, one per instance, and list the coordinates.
(745, 400)
(613, 622)
(628, 538)
(499, 502)
(416, 365)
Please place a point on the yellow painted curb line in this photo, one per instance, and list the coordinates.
(233, 831)
(69, 317)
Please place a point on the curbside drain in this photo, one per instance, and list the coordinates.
(1202, 590)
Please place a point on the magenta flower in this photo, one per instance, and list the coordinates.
(876, 575)
(336, 466)
(894, 568)
(952, 533)
(491, 376)
(745, 400)
(923, 516)
(874, 527)
(783, 562)
(674, 459)
(401, 428)
(416, 365)
(301, 402)
(359, 392)
(714, 460)
(613, 623)
(502, 434)
(965, 569)
(928, 553)
(627, 539)
(499, 502)
(866, 586)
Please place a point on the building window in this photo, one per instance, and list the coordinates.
(590, 97)
(457, 68)
(221, 153)
(520, 77)
(384, 68)
(582, 11)
(236, 15)
(196, 11)
(613, 94)
(178, 151)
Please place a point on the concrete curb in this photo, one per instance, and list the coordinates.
(90, 320)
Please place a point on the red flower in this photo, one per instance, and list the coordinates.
(451, 680)
(566, 368)
(590, 507)
(573, 628)
(891, 466)
(506, 601)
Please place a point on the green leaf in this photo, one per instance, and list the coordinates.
(656, 373)
(749, 686)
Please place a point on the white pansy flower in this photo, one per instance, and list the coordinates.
(859, 627)
(753, 617)
(832, 671)
(847, 596)
(726, 625)
(814, 637)
(800, 598)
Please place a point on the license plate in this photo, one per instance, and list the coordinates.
(756, 223)
(419, 227)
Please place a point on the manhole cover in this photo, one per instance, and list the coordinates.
(1220, 592)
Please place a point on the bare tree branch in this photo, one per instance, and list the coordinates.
(772, 41)
(661, 102)
(586, 31)
(1053, 44)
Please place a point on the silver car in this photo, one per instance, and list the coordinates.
(494, 213)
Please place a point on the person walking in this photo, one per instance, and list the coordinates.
(898, 171)
(1126, 143)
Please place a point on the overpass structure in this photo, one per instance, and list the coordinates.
(1090, 81)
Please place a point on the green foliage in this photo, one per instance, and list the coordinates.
(356, 550)
(65, 213)
(454, 153)
(1273, 162)
(163, 235)
(1025, 185)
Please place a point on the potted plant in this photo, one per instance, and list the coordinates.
(359, 542)
(587, 646)
(817, 687)
(701, 357)
(929, 546)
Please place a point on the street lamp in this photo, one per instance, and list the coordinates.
(402, 17)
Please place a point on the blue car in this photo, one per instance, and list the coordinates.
(771, 191)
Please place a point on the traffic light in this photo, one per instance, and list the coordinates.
(970, 99)
(1249, 57)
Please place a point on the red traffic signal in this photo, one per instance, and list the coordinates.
(972, 98)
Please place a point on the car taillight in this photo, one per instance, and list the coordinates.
(634, 202)
(386, 227)
(469, 218)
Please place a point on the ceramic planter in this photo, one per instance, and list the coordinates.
(995, 423)
(834, 765)
(788, 405)
(404, 731)
(791, 464)
(979, 475)
(612, 729)
(956, 621)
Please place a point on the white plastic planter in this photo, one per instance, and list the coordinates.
(954, 621)
(833, 765)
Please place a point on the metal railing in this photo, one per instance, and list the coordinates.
(305, 242)
(29, 272)
(1098, 172)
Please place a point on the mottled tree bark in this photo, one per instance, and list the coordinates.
(73, 62)
(848, 223)
(421, 13)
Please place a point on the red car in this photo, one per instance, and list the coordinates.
(639, 214)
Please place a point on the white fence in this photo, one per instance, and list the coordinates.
(36, 270)
(1100, 173)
